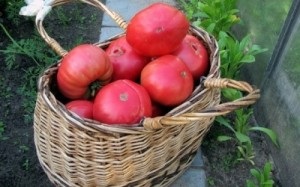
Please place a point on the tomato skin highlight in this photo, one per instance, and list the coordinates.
(82, 66)
(168, 80)
(82, 108)
(127, 64)
(194, 54)
(157, 30)
(122, 102)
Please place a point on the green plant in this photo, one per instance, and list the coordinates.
(212, 15)
(12, 10)
(234, 54)
(72, 14)
(26, 164)
(24, 148)
(2, 129)
(241, 130)
(38, 52)
(34, 48)
(63, 18)
(261, 177)
(227, 162)
(210, 182)
(5, 94)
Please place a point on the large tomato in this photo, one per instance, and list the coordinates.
(157, 30)
(82, 108)
(127, 64)
(82, 66)
(122, 102)
(168, 80)
(194, 54)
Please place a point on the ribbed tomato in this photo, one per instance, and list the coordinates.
(157, 30)
(122, 102)
(82, 66)
(127, 64)
(168, 80)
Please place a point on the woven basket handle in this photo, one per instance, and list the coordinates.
(52, 42)
(213, 111)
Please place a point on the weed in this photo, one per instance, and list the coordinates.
(12, 10)
(261, 177)
(2, 129)
(26, 164)
(63, 18)
(30, 94)
(210, 182)
(241, 133)
(24, 148)
(235, 54)
(227, 162)
(39, 53)
(214, 16)
(5, 94)
(34, 48)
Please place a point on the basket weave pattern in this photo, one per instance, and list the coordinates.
(78, 152)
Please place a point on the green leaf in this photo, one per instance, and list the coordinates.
(268, 183)
(248, 59)
(244, 43)
(255, 173)
(233, 11)
(210, 28)
(267, 170)
(225, 122)
(224, 138)
(250, 183)
(272, 135)
(256, 49)
(208, 10)
(242, 137)
(201, 15)
(231, 94)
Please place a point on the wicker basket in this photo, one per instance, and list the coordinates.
(80, 152)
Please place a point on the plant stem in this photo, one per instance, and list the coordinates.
(17, 45)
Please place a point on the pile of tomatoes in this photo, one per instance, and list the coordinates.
(153, 66)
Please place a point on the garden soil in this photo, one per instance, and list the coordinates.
(19, 165)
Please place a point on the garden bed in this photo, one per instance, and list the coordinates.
(19, 165)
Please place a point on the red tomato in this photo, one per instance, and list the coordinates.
(127, 64)
(157, 30)
(168, 80)
(122, 102)
(82, 108)
(194, 54)
(82, 66)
